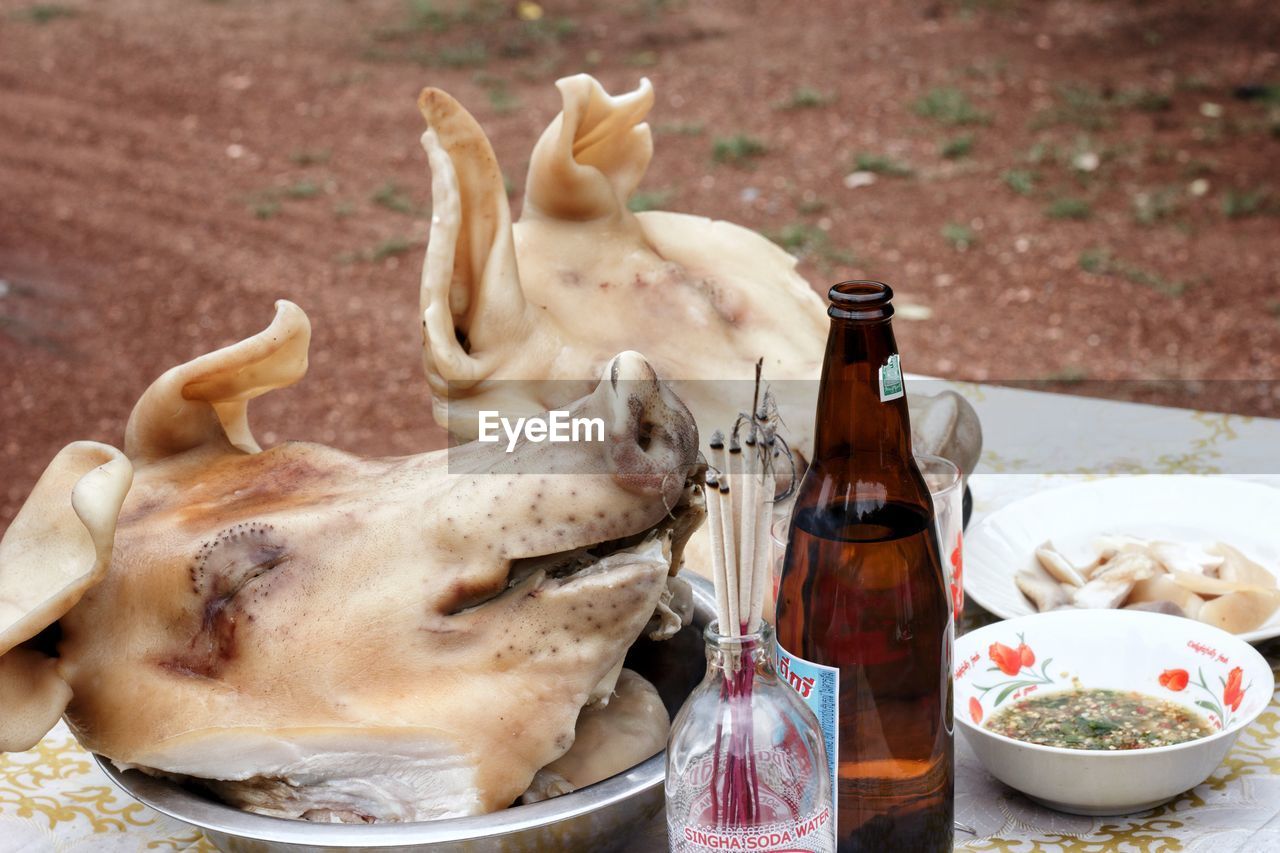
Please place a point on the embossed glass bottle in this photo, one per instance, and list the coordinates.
(746, 763)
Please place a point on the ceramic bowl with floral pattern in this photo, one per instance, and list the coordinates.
(1195, 666)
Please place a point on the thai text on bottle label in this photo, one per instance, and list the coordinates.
(819, 687)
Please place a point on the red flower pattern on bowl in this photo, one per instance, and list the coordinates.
(1232, 692)
(1174, 679)
(1007, 658)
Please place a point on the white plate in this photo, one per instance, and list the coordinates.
(1198, 510)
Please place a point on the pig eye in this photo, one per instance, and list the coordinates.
(230, 572)
(234, 558)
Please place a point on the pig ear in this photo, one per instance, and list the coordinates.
(32, 698)
(592, 156)
(58, 546)
(470, 298)
(207, 398)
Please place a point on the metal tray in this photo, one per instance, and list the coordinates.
(601, 817)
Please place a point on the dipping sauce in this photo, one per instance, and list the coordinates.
(1099, 719)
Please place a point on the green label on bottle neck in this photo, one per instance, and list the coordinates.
(890, 380)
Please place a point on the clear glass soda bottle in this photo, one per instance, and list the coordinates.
(746, 764)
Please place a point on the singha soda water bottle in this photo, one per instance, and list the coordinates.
(746, 766)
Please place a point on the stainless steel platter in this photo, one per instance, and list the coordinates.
(602, 817)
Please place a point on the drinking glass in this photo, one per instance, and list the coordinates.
(946, 487)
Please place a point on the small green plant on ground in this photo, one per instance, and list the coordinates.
(806, 98)
(309, 156)
(549, 30)
(950, 106)
(424, 15)
(1041, 152)
(392, 197)
(389, 248)
(1199, 168)
(501, 98)
(1270, 122)
(266, 204)
(652, 200)
(1151, 207)
(1237, 204)
(264, 207)
(1069, 207)
(467, 55)
(957, 146)
(1145, 100)
(302, 189)
(1021, 181)
(881, 164)
(810, 206)
(503, 101)
(1092, 109)
(1100, 261)
(1194, 83)
(642, 59)
(798, 237)
(987, 69)
(1079, 105)
(961, 237)
(970, 8)
(43, 13)
(809, 241)
(654, 8)
(1070, 374)
(737, 150)
(421, 16)
(536, 32)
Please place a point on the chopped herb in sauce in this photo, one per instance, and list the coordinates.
(1099, 719)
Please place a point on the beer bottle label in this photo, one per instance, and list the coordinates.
(890, 379)
(819, 687)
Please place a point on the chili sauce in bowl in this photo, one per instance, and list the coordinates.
(1098, 718)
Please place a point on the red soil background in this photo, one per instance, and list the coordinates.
(169, 169)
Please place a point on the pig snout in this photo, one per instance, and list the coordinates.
(652, 440)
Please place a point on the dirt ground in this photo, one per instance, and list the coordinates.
(1068, 190)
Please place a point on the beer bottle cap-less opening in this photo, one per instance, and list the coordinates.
(860, 300)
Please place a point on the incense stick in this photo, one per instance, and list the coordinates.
(763, 574)
(747, 559)
(718, 568)
(740, 487)
(732, 627)
(740, 545)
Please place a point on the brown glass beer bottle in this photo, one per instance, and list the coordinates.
(864, 626)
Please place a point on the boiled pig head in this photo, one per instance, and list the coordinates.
(314, 634)
(550, 298)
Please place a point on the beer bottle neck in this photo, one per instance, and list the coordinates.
(862, 408)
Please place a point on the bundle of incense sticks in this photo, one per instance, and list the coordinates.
(739, 509)
(740, 495)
